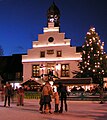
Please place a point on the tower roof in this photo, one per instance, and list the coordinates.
(54, 9)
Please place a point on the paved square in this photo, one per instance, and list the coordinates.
(77, 110)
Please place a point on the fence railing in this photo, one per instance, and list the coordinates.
(86, 96)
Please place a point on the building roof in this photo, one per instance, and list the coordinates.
(30, 82)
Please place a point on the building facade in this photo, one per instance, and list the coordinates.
(11, 69)
(52, 53)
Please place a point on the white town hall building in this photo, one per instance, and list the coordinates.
(52, 53)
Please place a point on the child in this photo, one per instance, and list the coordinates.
(56, 98)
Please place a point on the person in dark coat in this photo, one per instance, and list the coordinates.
(7, 93)
(62, 90)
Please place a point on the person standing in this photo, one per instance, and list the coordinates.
(62, 90)
(47, 92)
(56, 98)
(7, 93)
(20, 93)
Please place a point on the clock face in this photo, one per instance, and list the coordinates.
(51, 39)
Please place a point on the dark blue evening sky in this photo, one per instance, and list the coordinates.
(22, 20)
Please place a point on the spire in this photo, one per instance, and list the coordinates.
(53, 15)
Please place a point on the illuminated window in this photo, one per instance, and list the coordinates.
(42, 54)
(18, 75)
(35, 70)
(64, 70)
(59, 53)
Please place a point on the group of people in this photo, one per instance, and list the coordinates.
(59, 95)
(9, 94)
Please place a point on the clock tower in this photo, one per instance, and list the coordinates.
(53, 15)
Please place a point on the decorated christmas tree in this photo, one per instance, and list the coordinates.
(94, 60)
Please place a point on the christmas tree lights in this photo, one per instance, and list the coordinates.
(94, 59)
